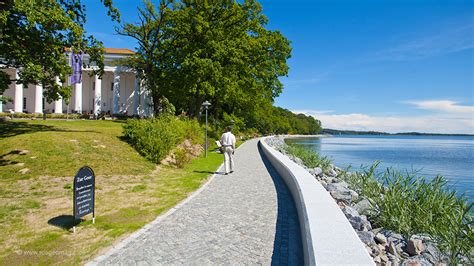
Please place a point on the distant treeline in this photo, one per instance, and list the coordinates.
(267, 120)
(353, 132)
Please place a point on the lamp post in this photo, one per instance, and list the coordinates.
(206, 105)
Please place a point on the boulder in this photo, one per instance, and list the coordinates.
(341, 195)
(416, 261)
(393, 259)
(350, 212)
(298, 161)
(354, 195)
(380, 238)
(392, 236)
(392, 249)
(366, 237)
(363, 206)
(328, 179)
(378, 260)
(316, 171)
(343, 184)
(360, 223)
(415, 247)
(375, 250)
(331, 172)
(433, 254)
(337, 186)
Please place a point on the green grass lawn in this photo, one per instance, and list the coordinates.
(130, 191)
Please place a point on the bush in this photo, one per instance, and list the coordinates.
(182, 157)
(155, 138)
(40, 116)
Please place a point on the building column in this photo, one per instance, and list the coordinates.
(1, 104)
(97, 95)
(136, 96)
(78, 97)
(148, 104)
(18, 104)
(116, 100)
(38, 99)
(58, 105)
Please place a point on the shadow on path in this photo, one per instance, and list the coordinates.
(287, 247)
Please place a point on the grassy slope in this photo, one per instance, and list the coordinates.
(129, 194)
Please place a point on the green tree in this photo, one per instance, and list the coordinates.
(217, 50)
(34, 36)
(155, 54)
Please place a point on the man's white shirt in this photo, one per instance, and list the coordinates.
(228, 139)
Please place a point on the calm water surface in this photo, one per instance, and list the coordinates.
(449, 156)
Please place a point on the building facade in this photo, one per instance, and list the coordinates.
(119, 91)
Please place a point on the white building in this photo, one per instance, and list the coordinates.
(117, 92)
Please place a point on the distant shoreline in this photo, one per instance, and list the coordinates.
(328, 131)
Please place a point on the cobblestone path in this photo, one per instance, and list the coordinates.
(247, 217)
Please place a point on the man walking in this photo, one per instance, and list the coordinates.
(228, 148)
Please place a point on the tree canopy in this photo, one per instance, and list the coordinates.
(217, 50)
(34, 36)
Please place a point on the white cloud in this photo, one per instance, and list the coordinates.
(440, 121)
(446, 106)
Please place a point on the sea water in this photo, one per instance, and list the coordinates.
(449, 156)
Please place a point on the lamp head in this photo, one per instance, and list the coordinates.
(206, 104)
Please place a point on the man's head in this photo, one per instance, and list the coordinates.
(228, 129)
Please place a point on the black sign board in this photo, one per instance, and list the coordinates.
(84, 192)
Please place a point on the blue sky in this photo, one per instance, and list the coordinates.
(364, 65)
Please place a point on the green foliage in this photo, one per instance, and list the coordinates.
(220, 51)
(35, 34)
(365, 182)
(181, 156)
(192, 130)
(40, 116)
(410, 204)
(192, 51)
(155, 138)
(309, 157)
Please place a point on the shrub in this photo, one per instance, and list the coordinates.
(40, 116)
(155, 138)
(182, 157)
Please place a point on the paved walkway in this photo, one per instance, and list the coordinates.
(247, 217)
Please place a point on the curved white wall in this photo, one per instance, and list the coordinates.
(328, 237)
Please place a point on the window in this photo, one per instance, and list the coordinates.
(24, 103)
(93, 85)
(111, 86)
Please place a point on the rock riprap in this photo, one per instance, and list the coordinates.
(386, 247)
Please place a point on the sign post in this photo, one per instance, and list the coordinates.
(84, 194)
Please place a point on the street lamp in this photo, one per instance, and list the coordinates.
(206, 105)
